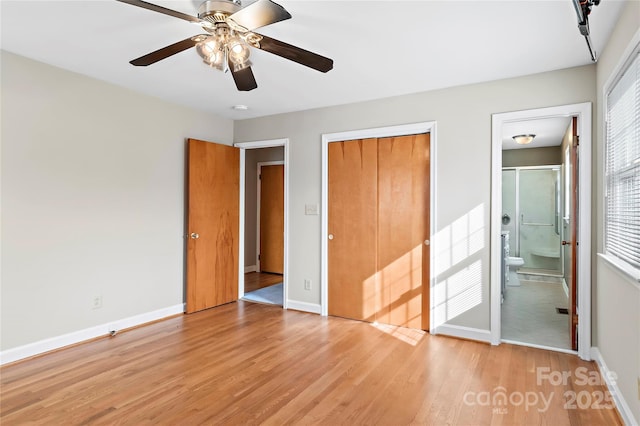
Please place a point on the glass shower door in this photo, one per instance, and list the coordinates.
(539, 220)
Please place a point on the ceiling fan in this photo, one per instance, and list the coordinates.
(229, 35)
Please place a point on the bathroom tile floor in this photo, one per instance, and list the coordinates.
(529, 314)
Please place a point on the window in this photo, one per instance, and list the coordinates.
(622, 164)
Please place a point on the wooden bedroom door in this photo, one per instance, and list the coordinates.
(272, 218)
(378, 251)
(213, 224)
(573, 242)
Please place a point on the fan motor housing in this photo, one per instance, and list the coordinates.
(217, 10)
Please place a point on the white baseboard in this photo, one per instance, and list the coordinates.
(565, 287)
(314, 308)
(46, 345)
(252, 268)
(618, 398)
(463, 332)
(546, 348)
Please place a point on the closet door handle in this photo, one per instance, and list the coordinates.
(194, 236)
(330, 236)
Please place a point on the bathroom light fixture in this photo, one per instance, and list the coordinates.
(240, 107)
(523, 139)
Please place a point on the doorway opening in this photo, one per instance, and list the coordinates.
(541, 283)
(536, 291)
(264, 222)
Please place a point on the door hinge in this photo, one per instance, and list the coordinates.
(577, 140)
(574, 319)
(258, 257)
(260, 176)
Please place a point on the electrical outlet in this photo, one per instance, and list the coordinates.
(307, 284)
(97, 302)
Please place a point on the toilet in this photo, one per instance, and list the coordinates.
(514, 263)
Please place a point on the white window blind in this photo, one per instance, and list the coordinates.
(622, 165)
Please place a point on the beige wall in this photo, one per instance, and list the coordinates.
(92, 200)
(463, 175)
(545, 156)
(252, 158)
(617, 302)
(93, 193)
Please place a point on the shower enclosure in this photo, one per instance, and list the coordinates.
(531, 202)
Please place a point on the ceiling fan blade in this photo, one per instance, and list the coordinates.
(165, 52)
(244, 79)
(258, 14)
(164, 10)
(295, 54)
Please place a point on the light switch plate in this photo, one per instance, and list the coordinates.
(311, 209)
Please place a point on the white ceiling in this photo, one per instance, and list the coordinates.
(380, 48)
(548, 131)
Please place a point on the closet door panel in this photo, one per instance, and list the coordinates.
(352, 247)
(403, 228)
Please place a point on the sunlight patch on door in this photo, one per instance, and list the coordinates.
(394, 293)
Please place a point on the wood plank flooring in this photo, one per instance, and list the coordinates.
(257, 280)
(245, 363)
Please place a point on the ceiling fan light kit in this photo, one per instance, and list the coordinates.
(230, 35)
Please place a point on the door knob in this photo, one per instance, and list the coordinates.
(566, 243)
(195, 236)
(331, 236)
(427, 242)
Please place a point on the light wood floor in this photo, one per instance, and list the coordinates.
(257, 280)
(246, 363)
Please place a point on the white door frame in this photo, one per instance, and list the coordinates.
(255, 145)
(380, 132)
(583, 112)
(258, 197)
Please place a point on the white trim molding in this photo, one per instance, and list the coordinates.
(583, 112)
(252, 268)
(461, 332)
(255, 145)
(546, 348)
(313, 308)
(380, 132)
(79, 336)
(618, 398)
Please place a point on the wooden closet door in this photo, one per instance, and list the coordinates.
(403, 228)
(352, 245)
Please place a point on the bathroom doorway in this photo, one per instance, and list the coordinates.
(535, 303)
(534, 246)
